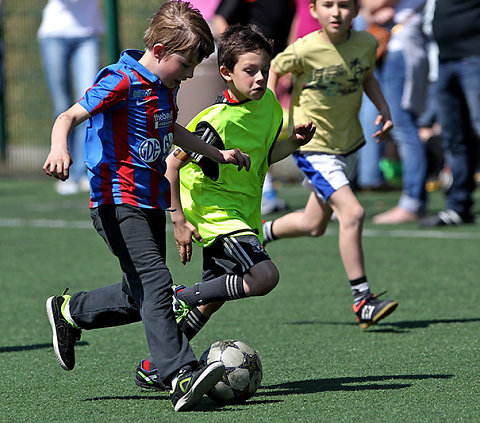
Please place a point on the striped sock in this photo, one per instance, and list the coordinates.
(360, 289)
(224, 288)
(194, 323)
(268, 235)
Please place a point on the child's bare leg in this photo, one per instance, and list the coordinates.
(350, 214)
(259, 280)
(208, 309)
(311, 221)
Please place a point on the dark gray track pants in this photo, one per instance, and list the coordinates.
(136, 237)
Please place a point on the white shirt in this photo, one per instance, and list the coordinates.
(71, 19)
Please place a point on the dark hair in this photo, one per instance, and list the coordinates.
(180, 27)
(240, 39)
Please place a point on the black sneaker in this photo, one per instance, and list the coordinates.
(371, 310)
(149, 379)
(64, 334)
(446, 218)
(191, 385)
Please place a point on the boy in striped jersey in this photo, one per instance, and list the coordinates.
(218, 207)
(131, 110)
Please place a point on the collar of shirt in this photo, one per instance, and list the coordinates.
(131, 58)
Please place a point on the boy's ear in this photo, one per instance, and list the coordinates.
(313, 11)
(225, 73)
(158, 51)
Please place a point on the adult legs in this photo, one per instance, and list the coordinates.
(453, 115)
(369, 173)
(84, 65)
(411, 149)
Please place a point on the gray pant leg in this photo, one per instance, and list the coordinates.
(137, 238)
(103, 307)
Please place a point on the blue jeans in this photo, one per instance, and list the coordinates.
(70, 64)
(369, 174)
(391, 76)
(405, 132)
(458, 108)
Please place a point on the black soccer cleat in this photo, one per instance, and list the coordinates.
(148, 379)
(191, 385)
(64, 334)
(370, 310)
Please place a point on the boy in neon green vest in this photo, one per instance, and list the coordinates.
(220, 208)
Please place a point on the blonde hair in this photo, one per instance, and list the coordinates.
(180, 27)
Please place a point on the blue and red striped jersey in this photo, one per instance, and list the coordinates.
(129, 135)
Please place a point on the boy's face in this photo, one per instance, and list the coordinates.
(174, 68)
(249, 77)
(335, 16)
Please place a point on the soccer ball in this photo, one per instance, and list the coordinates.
(243, 371)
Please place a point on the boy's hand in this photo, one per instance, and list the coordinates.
(303, 133)
(385, 120)
(58, 164)
(183, 237)
(237, 157)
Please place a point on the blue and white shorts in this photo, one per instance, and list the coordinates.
(326, 173)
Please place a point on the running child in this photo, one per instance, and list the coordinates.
(132, 110)
(219, 205)
(332, 69)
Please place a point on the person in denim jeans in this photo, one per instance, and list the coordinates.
(69, 40)
(455, 29)
(402, 74)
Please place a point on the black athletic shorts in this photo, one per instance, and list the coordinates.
(232, 255)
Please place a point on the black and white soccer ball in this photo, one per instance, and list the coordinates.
(243, 371)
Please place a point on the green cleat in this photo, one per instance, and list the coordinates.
(180, 308)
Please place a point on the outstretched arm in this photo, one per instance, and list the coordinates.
(302, 134)
(374, 93)
(58, 160)
(188, 141)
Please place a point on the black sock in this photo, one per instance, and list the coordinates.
(360, 289)
(223, 288)
(194, 323)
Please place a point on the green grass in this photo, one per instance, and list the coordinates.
(419, 365)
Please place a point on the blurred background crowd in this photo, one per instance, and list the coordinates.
(428, 66)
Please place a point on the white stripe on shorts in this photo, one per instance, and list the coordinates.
(236, 250)
(326, 173)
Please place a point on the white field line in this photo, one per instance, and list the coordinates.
(370, 233)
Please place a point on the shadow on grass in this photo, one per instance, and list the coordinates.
(205, 404)
(346, 384)
(19, 348)
(392, 327)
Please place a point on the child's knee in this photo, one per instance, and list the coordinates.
(354, 217)
(265, 280)
(268, 282)
(317, 231)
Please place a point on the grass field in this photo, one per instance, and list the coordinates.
(421, 364)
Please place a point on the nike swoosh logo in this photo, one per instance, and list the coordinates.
(142, 102)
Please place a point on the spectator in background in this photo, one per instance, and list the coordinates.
(274, 18)
(456, 32)
(403, 77)
(69, 38)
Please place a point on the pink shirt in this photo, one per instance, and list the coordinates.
(306, 23)
(207, 7)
